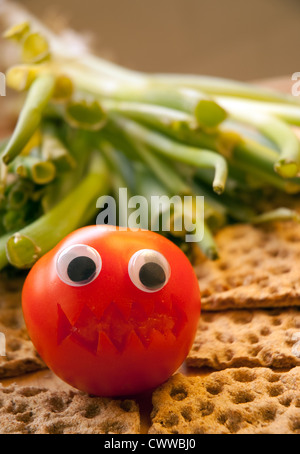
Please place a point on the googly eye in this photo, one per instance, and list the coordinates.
(149, 270)
(78, 265)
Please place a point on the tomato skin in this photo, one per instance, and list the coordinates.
(146, 336)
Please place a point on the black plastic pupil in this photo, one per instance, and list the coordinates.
(152, 275)
(81, 269)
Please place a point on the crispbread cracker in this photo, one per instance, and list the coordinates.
(268, 338)
(238, 401)
(32, 410)
(259, 267)
(21, 356)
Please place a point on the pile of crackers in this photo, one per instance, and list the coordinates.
(243, 371)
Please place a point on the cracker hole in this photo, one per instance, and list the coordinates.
(25, 417)
(276, 321)
(56, 428)
(244, 376)
(30, 392)
(294, 423)
(242, 318)
(179, 393)
(127, 406)
(14, 345)
(265, 331)
(205, 407)
(214, 388)
(273, 378)
(225, 338)
(273, 252)
(297, 402)
(16, 407)
(229, 354)
(252, 338)
(268, 412)
(275, 390)
(231, 419)
(223, 266)
(187, 413)
(254, 351)
(285, 400)
(243, 397)
(56, 404)
(171, 420)
(208, 318)
(7, 390)
(293, 238)
(91, 411)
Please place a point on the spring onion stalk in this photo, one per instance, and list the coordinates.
(159, 117)
(92, 64)
(19, 193)
(179, 125)
(67, 181)
(217, 86)
(206, 111)
(225, 141)
(17, 32)
(158, 134)
(33, 168)
(210, 85)
(54, 151)
(13, 220)
(25, 247)
(288, 161)
(286, 112)
(215, 213)
(226, 206)
(150, 187)
(162, 170)
(3, 257)
(36, 102)
(35, 48)
(208, 245)
(267, 178)
(117, 178)
(177, 151)
(117, 182)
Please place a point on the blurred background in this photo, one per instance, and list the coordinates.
(245, 40)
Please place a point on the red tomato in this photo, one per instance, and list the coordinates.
(112, 312)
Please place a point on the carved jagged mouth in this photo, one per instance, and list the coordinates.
(87, 328)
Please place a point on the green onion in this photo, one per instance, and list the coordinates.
(288, 161)
(153, 134)
(208, 245)
(36, 102)
(19, 194)
(54, 150)
(25, 247)
(3, 257)
(35, 169)
(177, 151)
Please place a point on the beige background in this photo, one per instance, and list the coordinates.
(241, 39)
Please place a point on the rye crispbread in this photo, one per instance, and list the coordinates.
(237, 401)
(259, 267)
(33, 410)
(21, 356)
(267, 338)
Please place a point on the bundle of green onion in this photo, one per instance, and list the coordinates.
(89, 127)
